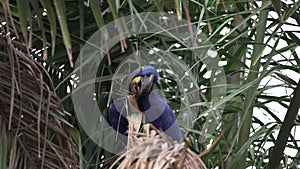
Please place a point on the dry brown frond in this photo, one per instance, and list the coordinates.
(155, 150)
(31, 113)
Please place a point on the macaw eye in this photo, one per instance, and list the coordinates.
(147, 76)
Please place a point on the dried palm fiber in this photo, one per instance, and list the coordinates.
(153, 149)
(31, 113)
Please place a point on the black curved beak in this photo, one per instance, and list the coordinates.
(140, 86)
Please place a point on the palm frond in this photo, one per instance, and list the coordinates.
(31, 114)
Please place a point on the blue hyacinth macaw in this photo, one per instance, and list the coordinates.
(151, 105)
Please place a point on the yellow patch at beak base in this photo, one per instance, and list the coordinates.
(136, 79)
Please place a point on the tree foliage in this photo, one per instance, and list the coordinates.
(258, 43)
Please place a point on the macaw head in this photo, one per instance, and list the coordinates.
(142, 81)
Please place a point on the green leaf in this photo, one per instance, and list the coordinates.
(286, 79)
(256, 136)
(294, 37)
(52, 21)
(39, 18)
(23, 14)
(61, 14)
(77, 139)
(60, 119)
(278, 7)
(97, 12)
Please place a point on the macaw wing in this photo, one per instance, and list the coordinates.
(117, 116)
(161, 116)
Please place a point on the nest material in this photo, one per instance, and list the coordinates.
(155, 150)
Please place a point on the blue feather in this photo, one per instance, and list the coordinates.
(153, 106)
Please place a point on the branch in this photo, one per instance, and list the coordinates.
(285, 130)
